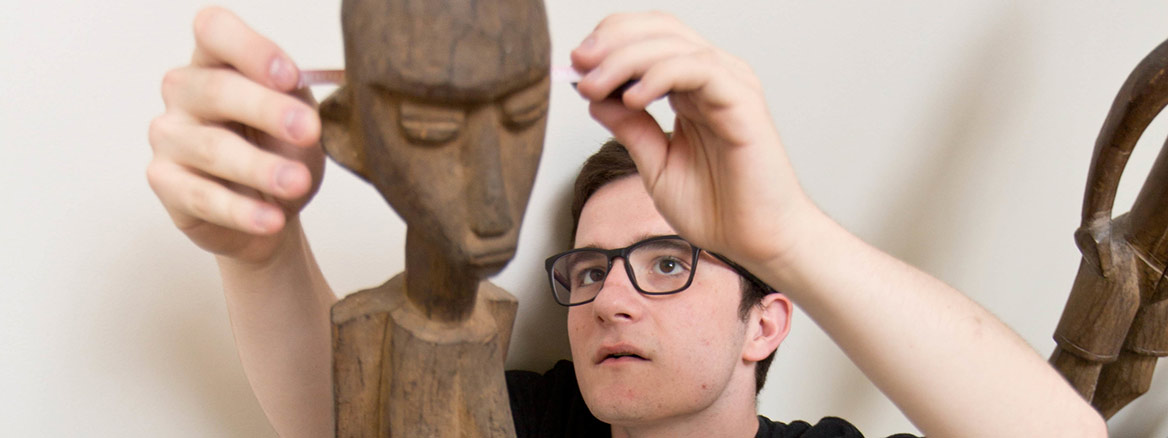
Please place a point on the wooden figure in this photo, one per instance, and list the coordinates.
(443, 111)
(1115, 324)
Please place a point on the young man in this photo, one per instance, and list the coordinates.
(646, 365)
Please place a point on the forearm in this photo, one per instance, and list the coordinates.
(280, 318)
(952, 367)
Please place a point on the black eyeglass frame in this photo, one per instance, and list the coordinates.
(612, 254)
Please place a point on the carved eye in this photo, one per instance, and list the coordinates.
(527, 105)
(430, 124)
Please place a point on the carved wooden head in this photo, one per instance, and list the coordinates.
(444, 112)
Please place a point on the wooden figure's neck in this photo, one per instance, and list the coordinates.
(441, 290)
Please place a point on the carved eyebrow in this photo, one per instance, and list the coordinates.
(430, 123)
(430, 111)
(526, 105)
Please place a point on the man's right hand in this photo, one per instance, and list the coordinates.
(236, 154)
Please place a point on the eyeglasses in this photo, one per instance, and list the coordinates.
(656, 266)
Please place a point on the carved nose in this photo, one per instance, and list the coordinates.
(489, 209)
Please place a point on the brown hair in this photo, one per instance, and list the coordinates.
(612, 162)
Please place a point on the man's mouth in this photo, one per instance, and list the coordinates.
(621, 358)
(619, 354)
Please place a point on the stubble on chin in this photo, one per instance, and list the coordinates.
(617, 400)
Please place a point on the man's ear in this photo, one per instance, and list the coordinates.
(767, 327)
(337, 132)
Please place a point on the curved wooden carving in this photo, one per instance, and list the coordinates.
(1115, 324)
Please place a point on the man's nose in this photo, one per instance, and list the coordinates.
(488, 207)
(617, 299)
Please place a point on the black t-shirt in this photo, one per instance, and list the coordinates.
(550, 406)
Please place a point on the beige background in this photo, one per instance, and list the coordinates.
(955, 135)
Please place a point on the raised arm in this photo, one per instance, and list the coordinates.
(723, 179)
(236, 157)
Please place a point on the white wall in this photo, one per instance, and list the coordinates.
(955, 135)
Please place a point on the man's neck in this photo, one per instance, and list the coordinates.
(725, 418)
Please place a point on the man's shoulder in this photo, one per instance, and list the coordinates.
(550, 404)
(558, 383)
(827, 427)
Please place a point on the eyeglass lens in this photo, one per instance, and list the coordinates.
(657, 266)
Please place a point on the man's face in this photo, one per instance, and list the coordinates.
(459, 172)
(691, 342)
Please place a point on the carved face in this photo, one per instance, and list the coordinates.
(448, 113)
(459, 172)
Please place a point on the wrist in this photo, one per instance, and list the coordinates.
(287, 249)
(807, 233)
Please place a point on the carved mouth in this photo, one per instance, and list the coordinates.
(493, 258)
(489, 253)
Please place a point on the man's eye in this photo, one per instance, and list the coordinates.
(590, 276)
(668, 266)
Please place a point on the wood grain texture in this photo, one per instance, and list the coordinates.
(398, 373)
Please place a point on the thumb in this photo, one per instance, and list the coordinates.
(638, 131)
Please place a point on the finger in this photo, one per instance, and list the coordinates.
(192, 199)
(630, 62)
(222, 95)
(639, 132)
(222, 39)
(220, 152)
(618, 30)
(695, 72)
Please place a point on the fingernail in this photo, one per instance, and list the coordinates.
(593, 74)
(287, 179)
(282, 73)
(266, 219)
(588, 42)
(294, 121)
